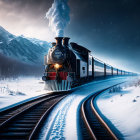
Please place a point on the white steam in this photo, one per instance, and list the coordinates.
(58, 16)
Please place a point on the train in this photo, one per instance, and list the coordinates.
(69, 64)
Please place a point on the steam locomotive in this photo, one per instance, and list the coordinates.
(68, 65)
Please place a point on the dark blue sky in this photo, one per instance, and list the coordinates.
(110, 28)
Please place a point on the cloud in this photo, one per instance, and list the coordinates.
(58, 16)
(25, 18)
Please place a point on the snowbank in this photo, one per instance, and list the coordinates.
(122, 108)
(16, 90)
(63, 121)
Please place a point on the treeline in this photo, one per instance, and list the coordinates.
(14, 68)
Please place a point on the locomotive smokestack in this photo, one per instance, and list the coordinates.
(59, 41)
(66, 41)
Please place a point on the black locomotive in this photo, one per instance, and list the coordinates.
(68, 65)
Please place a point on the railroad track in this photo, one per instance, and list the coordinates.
(24, 121)
(92, 124)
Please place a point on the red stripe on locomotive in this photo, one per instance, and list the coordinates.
(61, 75)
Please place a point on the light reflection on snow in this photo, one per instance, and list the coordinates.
(15, 90)
(122, 109)
(69, 106)
(62, 123)
(55, 124)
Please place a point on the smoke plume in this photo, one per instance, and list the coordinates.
(58, 16)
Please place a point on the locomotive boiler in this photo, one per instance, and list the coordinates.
(69, 64)
(59, 66)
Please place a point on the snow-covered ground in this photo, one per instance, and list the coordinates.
(62, 123)
(122, 107)
(16, 90)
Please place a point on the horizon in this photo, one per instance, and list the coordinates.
(109, 39)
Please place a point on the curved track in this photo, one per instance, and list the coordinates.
(24, 121)
(92, 124)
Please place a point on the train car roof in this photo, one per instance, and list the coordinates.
(79, 48)
(78, 56)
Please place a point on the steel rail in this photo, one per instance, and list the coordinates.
(11, 111)
(98, 120)
(37, 111)
(101, 120)
(91, 133)
(25, 109)
(38, 125)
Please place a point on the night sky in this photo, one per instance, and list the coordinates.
(110, 28)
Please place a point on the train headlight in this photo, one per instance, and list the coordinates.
(57, 66)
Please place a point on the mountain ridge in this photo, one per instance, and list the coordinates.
(26, 50)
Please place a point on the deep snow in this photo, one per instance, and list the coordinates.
(62, 123)
(63, 120)
(122, 108)
(16, 90)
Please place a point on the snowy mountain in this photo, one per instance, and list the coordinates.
(26, 50)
